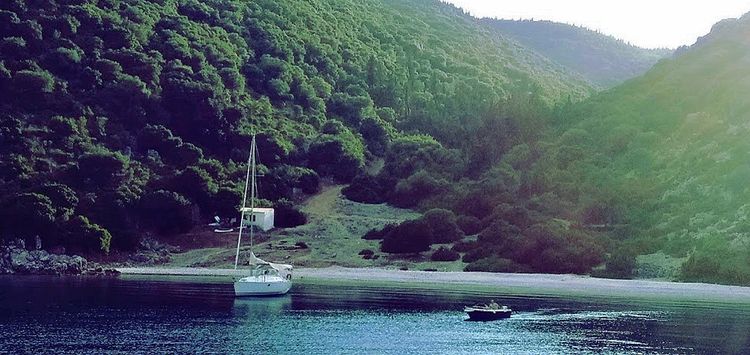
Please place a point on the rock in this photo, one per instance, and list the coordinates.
(18, 258)
(14, 259)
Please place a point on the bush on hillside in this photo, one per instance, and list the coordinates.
(287, 216)
(408, 237)
(444, 254)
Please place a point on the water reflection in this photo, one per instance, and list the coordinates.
(84, 315)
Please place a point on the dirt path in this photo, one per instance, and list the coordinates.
(324, 203)
(333, 236)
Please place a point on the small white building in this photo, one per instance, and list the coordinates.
(260, 217)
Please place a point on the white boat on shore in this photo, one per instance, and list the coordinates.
(264, 278)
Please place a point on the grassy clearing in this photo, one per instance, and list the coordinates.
(333, 235)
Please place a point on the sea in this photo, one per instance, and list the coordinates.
(89, 315)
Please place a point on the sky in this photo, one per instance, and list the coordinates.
(644, 23)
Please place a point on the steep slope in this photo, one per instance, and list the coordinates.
(667, 155)
(127, 117)
(603, 60)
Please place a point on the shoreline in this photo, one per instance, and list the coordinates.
(526, 284)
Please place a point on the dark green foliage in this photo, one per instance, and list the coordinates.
(469, 224)
(195, 184)
(418, 187)
(408, 237)
(33, 83)
(340, 156)
(226, 202)
(116, 98)
(86, 236)
(463, 246)
(603, 60)
(494, 264)
(444, 254)
(365, 188)
(620, 263)
(166, 212)
(62, 197)
(379, 233)
(281, 181)
(102, 170)
(443, 225)
(26, 215)
(714, 260)
(287, 216)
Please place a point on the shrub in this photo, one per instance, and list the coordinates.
(33, 82)
(409, 192)
(476, 254)
(27, 214)
(409, 237)
(444, 254)
(620, 263)
(102, 169)
(166, 212)
(287, 216)
(379, 233)
(464, 246)
(340, 156)
(494, 264)
(469, 224)
(365, 188)
(86, 236)
(443, 225)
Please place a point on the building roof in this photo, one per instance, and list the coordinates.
(257, 209)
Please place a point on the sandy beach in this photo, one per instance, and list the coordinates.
(531, 284)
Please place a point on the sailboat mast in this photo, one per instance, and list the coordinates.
(250, 162)
(253, 191)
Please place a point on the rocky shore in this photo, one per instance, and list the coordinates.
(16, 259)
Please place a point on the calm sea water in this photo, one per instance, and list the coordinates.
(89, 315)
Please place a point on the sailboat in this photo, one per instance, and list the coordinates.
(264, 278)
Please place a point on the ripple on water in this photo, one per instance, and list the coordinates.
(168, 317)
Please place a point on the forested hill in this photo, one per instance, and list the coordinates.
(667, 154)
(122, 118)
(603, 60)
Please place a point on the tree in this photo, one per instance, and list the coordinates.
(166, 212)
(409, 237)
(287, 216)
(86, 236)
(101, 170)
(28, 82)
(25, 215)
(443, 225)
(62, 197)
(340, 156)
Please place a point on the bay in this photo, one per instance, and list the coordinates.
(178, 315)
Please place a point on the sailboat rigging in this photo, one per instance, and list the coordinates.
(265, 278)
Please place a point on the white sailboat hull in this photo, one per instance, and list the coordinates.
(261, 286)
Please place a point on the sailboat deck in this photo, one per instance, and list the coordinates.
(181, 271)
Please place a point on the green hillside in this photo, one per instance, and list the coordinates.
(603, 60)
(667, 155)
(125, 118)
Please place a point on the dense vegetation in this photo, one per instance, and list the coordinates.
(664, 158)
(122, 118)
(658, 164)
(126, 117)
(603, 60)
